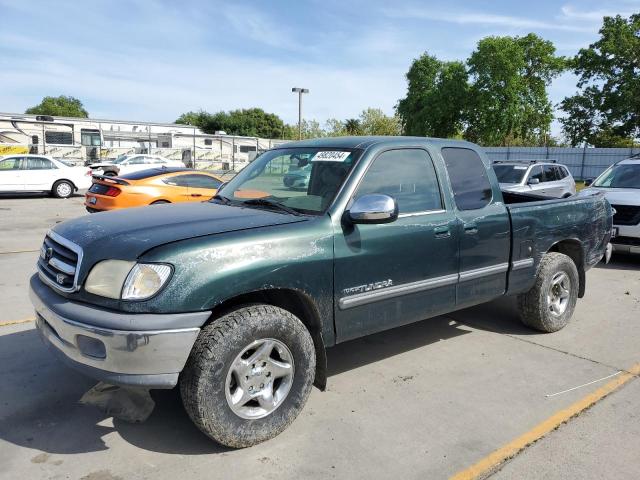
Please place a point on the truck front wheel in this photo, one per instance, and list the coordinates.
(549, 304)
(249, 375)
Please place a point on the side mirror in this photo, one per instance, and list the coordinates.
(533, 181)
(373, 208)
(588, 182)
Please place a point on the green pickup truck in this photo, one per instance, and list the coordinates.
(237, 299)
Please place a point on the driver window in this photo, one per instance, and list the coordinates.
(408, 176)
(536, 172)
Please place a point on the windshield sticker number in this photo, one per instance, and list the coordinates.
(330, 156)
(519, 168)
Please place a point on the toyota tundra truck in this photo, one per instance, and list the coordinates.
(235, 300)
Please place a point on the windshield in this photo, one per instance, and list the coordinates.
(121, 158)
(620, 176)
(302, 179)
(510, 173)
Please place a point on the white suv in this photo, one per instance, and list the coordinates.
(621, 185)
(133, 163)
(39, 173)
(545, 179)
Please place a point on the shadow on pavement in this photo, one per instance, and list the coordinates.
(621, 261)
(39, 396)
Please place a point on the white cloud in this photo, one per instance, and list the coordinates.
(479, 18)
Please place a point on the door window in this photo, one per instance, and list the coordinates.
(408, 176)
(468, 176)
(551, 173)
(37, 163)
(537, 173)
(136, 161)
(194, 181)
(12, 163)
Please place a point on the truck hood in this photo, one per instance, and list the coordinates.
(128, 233)
(618, 196)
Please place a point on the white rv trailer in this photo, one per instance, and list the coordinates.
(87, 140)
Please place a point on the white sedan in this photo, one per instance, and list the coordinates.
(133, 163)
(39, 173)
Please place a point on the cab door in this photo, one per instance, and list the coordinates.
(202, 187)
(484, 227)
(11, 174)
(39, 173)
(391, 274)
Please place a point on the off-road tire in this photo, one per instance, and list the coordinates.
(202, 382)
(533, 306)
(59, 191)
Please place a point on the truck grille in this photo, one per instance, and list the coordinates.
(626, 215)
(59, 262)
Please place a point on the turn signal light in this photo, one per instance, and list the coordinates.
(112, 192)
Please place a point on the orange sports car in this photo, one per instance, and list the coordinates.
(150, 187)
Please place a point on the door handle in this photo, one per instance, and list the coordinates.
(196, 194)
(470, 228)
(442, 231)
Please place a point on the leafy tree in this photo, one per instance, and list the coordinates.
(373, 121)
(197, 119)
(352, 126)
(61, 106)
(251, 122)
(436, 98)
(606, 112)
(508, 95)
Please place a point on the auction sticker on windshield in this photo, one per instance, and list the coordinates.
(330, 156)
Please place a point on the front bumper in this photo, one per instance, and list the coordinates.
(119, 353)
(627, 240)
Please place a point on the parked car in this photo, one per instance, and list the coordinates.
(236, 299)
(621, 186)
(546, 179)
(40, 173)
(133, 163)
(297, 178)
(150, 187)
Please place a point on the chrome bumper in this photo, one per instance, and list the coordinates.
(149, 358)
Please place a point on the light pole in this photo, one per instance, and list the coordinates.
(300, 91)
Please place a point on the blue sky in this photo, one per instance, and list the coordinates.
(152, 59)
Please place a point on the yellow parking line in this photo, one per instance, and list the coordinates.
(489, 463)
(15, 322)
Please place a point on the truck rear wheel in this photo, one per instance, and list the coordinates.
(249, 375)
(549, 304)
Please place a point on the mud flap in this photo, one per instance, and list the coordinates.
(132, 405)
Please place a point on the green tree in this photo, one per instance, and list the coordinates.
(352, 126)
(373, 121)
(61, 106)
(250, 122)
(436, 98)
(508, 96)
(197, 119)
(606, 111)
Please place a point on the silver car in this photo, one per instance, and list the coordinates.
(546, 179)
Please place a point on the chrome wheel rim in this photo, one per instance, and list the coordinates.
(559, 293)
(63, 189)
(259, 378)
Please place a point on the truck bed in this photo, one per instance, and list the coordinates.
(582, 221)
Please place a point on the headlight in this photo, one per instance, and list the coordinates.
(125, 280)
(145, 280)
(106, 278)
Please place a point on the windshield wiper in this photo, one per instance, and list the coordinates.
(223, 199)
(270, 203)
